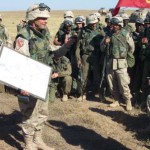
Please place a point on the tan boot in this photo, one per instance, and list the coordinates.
(128, 105)
(114, 104)
(29, 144)
(81, 98)
(84, 97)
(65, 98)
(39, 142)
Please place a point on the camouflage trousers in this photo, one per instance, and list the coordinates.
(63, 83)
(90, 63)
(35, 113)
(118, 81)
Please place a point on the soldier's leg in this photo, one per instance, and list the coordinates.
(112, 83)
(114, 89)
(29, 113)
(42, 118)
(96, 75)
(66, 83)
(52, 92)
(123, 81)
(85, 70)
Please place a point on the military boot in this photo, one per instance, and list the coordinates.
(39, 142)
(29, 144)
(81, 98)
(128, 105)
(114, 104)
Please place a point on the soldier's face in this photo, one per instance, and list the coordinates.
(79, 25)
(41, 23)
(92, 26)
(116, 27)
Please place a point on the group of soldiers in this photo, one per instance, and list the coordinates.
(89, 58)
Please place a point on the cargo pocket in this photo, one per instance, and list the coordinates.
(122, 63)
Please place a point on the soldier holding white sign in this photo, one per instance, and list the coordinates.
(33, 40)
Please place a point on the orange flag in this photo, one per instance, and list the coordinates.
(131, 3)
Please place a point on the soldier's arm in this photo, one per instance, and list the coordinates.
(56, 42)
(130, 42)
(78, 45)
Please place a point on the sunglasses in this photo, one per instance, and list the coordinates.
(41, 7)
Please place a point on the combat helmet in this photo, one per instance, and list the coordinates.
(124, 16)
(68, 14)
(147, 19)
(90, 19)
(80, 19)
(67, 22)
(97, 15)
(117, 20)
(36, 11)
(139, 21)
(108, 17)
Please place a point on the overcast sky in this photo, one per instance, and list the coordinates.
(12, 5)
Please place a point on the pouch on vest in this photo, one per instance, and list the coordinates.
(122, 63)
(114, 64)
(23, 99)
(130, 59)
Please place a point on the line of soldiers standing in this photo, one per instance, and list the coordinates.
(125, 71)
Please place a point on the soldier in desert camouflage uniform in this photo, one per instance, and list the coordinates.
(118, 46)
(33, 41)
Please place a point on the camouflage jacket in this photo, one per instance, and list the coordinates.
(61, 66)
(38, 42)
(4, 36)
(88, 42)
(121, 43)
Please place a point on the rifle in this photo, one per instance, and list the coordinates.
(106, 54)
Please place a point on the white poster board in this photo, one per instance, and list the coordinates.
(24, 73)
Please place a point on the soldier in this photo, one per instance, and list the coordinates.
(107, 29)
(21, 25)
(61, 77)
(65, 31)
(4, 35)
(116, 70)
(33, 40)
(76, 84)
(99, 25)
(145, 57)
(88, 54)
(126, 24)
(68, 15)
(136, 71)
(62, 34)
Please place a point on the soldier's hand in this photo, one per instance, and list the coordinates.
(107, 40)
(69, 42)
(144, 40)
(24, 93)
(54, 75)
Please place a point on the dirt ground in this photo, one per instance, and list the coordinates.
(72, 125)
